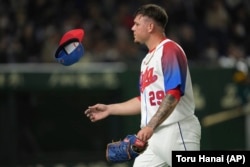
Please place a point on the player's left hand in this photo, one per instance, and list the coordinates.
(145, 133)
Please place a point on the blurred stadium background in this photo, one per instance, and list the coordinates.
(42, 103)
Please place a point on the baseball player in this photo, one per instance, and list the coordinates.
(166, 102)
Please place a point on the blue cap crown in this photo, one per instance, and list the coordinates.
(67, 58)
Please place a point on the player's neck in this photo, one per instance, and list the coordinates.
(154, 41)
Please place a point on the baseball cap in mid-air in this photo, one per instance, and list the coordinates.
(70, 48)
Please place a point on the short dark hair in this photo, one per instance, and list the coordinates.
(155, 12)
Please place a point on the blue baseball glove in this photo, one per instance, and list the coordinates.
(125, 150)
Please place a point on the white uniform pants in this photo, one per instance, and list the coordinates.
(183, 135)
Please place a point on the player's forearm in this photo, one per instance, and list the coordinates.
(130, 107)
(166, 108)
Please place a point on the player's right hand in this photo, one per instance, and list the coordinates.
(97, 112)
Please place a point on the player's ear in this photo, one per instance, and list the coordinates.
(150, 27)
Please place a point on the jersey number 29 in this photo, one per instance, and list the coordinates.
(156, 97)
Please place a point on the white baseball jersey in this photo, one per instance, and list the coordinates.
(163, 69)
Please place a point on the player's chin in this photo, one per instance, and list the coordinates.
(137, 41)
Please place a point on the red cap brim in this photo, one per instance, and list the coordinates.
(72, 34)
